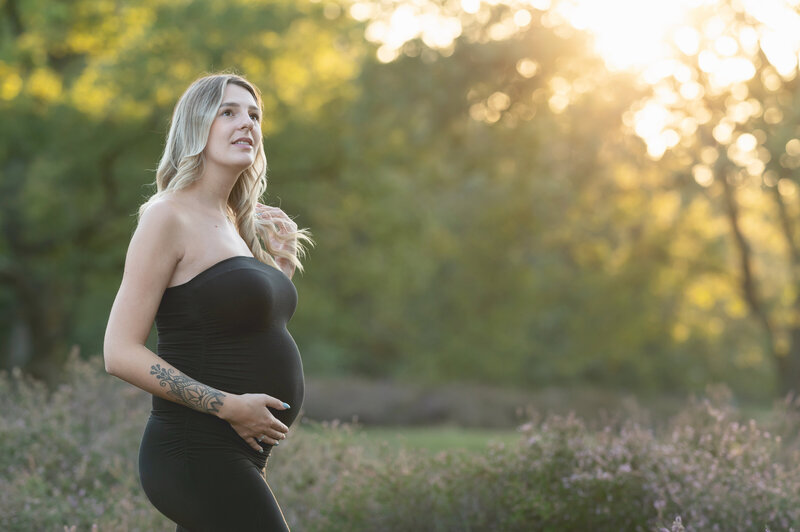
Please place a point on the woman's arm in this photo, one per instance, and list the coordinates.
(154, 251)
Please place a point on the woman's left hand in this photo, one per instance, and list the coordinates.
(285, 225)
(277, 216)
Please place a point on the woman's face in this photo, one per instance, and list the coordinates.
(236, 131)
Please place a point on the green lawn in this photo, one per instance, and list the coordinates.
(440, 438)
(434, 438)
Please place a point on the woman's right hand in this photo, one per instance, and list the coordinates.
(250, 418)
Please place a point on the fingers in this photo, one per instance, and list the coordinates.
(271, 437)
(278, 425)
(271, 440)
(273, 213)
(268, 210)
(264, 211)
(277, 404)
(273, 432)
(274, 403)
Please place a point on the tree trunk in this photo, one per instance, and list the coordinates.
(789, 362)
(785, 363)
(41, 328)
(789, 365)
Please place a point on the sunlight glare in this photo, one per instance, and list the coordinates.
(527, 67)
(780, 39)
(723, 132)
(726, 46)
(686, 50)
(687, 40)
(782, 57)
(746, 142)
(787, 187)
(691, 90)
(648, 36)
(541, 5)
(632, 33)
(688, 126)
(470, 6)
(522, 18)
(793, 147)
(714, 27)
(405, 24)
(650, 120)
(409, 21)
(703, 175)
(362, 11)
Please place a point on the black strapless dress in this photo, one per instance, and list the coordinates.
(226, 328)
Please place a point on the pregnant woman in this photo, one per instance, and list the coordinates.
(213, 268)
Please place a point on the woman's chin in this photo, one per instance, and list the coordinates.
(242, 164)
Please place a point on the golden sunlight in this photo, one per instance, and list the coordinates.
(631, 33)
(650, 36)
(641, 34)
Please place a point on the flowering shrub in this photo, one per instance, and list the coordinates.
(68, 456)
(707, 472)
(68, 459)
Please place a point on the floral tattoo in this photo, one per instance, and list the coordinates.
(192, 393)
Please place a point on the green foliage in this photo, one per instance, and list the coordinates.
(86, 94)
(496, 251)
(469, 226)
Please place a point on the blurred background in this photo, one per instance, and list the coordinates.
(522, 209)
(558, 202)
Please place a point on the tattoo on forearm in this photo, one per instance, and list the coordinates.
(192, 393)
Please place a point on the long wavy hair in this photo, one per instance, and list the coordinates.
(183, 161)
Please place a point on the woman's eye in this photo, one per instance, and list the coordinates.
(254, 117)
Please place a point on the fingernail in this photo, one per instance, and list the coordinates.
(277, 443)
(261, 450)
(286, 406)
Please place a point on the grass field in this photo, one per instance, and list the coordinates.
(429, 438)
(439, 438)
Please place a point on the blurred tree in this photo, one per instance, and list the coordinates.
(479, 209)
(728, 121)
(495, 234)
(86, 91)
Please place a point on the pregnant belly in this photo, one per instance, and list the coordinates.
(266, 362)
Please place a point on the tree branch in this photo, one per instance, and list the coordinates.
(788, 233)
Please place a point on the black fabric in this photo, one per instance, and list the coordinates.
(226, 328)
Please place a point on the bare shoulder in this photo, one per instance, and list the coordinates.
(169, 218)
(158, 243)
(167, 212)
(156, 247)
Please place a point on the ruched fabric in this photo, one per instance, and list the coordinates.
(225, 328)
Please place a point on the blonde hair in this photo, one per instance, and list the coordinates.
(183, 160)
